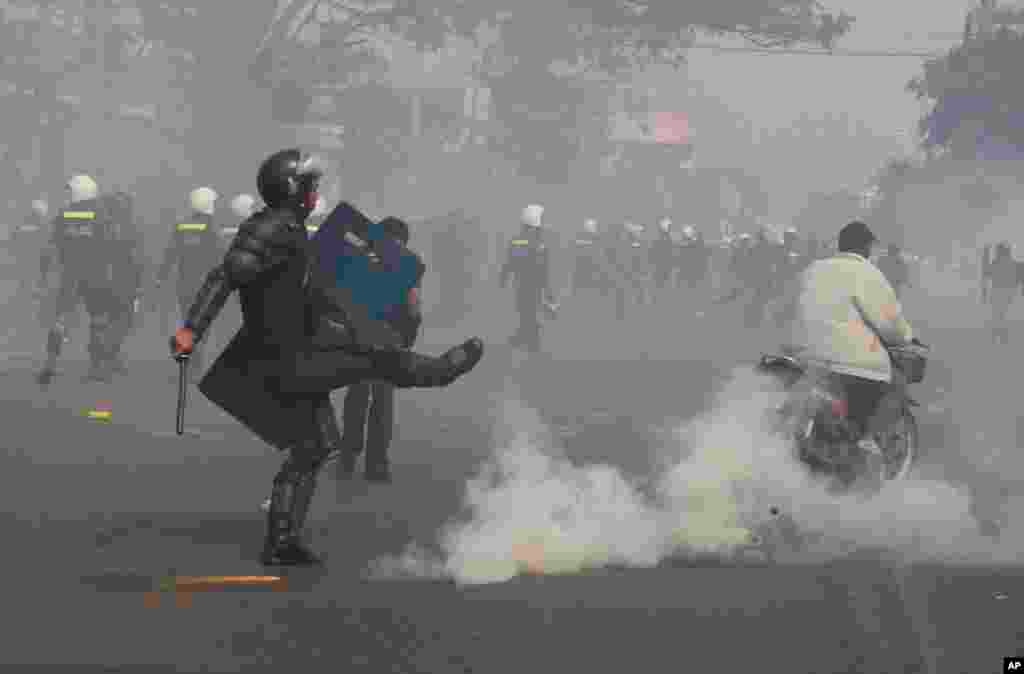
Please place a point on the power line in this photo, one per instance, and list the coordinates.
(817, 52)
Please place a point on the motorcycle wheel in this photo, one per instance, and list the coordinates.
(901, 448)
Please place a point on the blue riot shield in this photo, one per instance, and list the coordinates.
(362, 273)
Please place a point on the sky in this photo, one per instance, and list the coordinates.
(771, 92)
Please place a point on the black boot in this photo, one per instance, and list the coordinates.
(289, 503)
(406, 369)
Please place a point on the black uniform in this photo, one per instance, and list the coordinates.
(664, 260)
(527, 261)
(194, 249)
(301, 338)
(86, 243)
(369, 408)
(127, 262)
(623, 251)
(590, 271)
(28, 242)
(695, 261)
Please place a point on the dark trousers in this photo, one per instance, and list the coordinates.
(528, 333)
(108, 312)
(862, 398)
(368, 420)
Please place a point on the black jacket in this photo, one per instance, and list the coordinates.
(268, 263)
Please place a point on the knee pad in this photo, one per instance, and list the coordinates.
(303, 464)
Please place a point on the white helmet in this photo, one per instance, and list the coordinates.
(689, 232)
(243, 205)
(40, 208)
(83, 188)
(533, 215)
(665, 224)
(791, 230)
(203, 200)
(590, 226)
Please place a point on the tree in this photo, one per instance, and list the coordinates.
(975, 93)
(228, 56)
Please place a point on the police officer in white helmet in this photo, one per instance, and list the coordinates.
(193, 250)
(76, 244)
(528, 263)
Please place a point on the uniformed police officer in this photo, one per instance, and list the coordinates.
(81, 243)
(194, 249)
(894, 267)
(242, 208)
(664, 257)
(125, 264)
(528, 262)
(28, 240)
(369, 409)
(590, 272)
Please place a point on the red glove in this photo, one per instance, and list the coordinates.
(183, 342)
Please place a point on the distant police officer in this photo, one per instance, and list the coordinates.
(664, 257)
(242, 208)
(694, 258)
(590, 273)
(895, 269)
(28, 241)
(194, 249)
(369, 409)
(80, 244)
(125, 266)
(528, 262)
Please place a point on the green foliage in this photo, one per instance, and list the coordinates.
(978, 81)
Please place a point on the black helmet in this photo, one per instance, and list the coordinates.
(855, 236)
(290, 179)
(396, 228)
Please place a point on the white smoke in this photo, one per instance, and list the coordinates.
(532, 510)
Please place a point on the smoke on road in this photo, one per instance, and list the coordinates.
(532, 510)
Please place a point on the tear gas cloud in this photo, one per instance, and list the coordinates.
(531, 510)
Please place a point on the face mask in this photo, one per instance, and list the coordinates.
(310, 201)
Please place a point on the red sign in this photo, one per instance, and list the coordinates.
(672, 128)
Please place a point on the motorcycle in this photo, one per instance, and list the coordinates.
(815, 417)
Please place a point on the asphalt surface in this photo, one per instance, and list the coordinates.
(95, 513)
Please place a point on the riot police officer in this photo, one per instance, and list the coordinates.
(528, 262)
(664, 257)
(82, 243)
(242, 208)
(299, 342)
(590, 273)
(895, 268)
(28, 241)
(194, 249)
(126, 264)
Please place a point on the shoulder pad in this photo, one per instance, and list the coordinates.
(267, 224)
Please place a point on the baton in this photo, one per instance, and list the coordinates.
(182, 393)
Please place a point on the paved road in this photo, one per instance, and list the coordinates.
(93, 513)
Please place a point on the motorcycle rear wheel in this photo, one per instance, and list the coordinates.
(900, 444)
